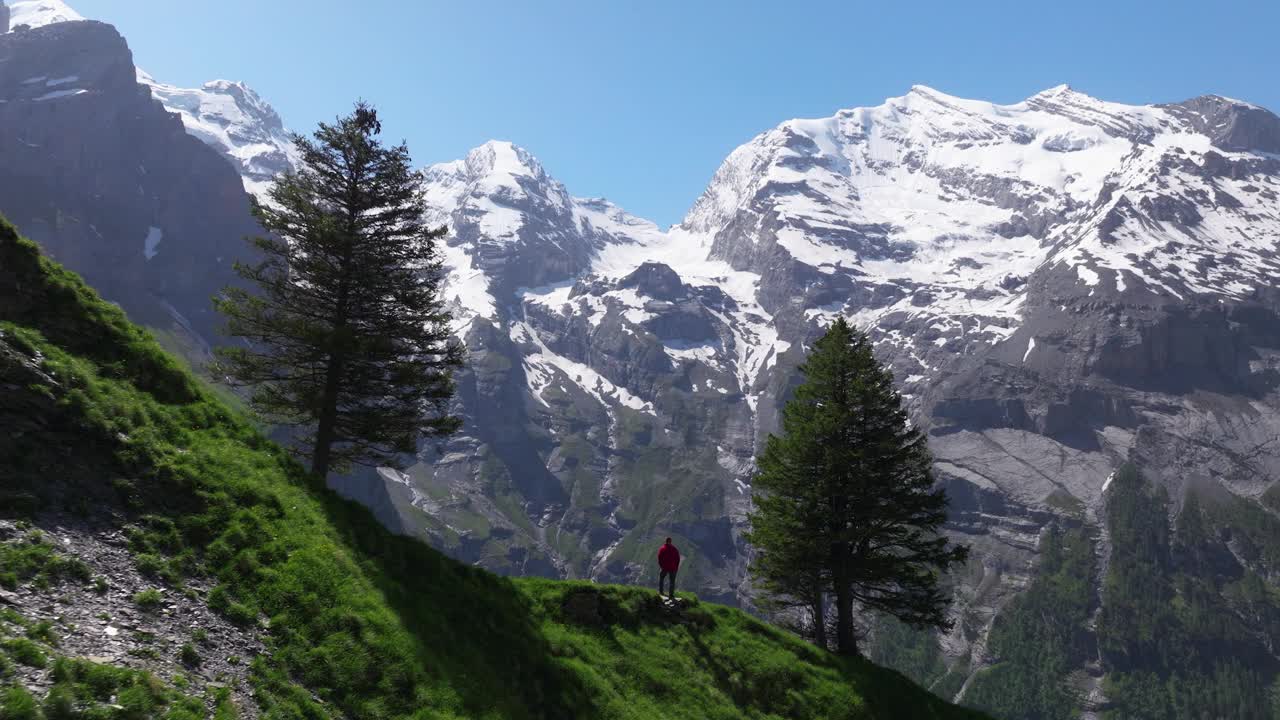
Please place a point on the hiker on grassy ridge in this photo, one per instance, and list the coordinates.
(668, 566)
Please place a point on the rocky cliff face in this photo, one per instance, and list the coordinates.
(228, 116)
(1060, 285)
(110, 183)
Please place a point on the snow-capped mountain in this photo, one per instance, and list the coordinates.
(929, 211)
(944, 207)
(37, 13)
(236, 121)
(109, 183)
(228, 116)
(1060, 285)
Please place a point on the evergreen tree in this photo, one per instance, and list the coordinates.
(345, 338)
(847, 497)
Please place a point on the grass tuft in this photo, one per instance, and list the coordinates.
(148, 599)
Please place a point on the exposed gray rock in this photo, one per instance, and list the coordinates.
(100, 622)
(110, 184)
(1231, 124)
(657, 281)
(1043, 332)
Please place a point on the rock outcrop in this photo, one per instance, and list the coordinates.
(109, 182)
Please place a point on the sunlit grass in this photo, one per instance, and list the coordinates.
(362, 623)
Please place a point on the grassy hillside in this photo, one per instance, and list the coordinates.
(99, 423)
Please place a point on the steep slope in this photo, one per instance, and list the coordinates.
(343, 619)
(96, 159)
(103, 178)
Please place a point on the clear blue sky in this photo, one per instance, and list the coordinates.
(639, 101)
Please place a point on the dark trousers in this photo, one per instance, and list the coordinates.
(662, 576)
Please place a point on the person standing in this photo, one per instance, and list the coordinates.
(668, 566)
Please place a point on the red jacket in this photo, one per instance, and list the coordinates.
(668, 558)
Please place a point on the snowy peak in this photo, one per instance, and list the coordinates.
(501, 177)
(1063, 93)
(38, 13)
(1060, 145)
(235, 120)
(502, 162)
(511, 226)
(495, 179)
(248, 102)
(495, 164)
(1055, 91)
(925, 94)
(930, 205)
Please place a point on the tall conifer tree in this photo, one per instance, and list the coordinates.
(847, 500)
(345, 334)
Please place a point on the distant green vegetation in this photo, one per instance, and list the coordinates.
(911, 651)
(358, 622)
(1187, 615)
(1041, 637)
(1172, 632)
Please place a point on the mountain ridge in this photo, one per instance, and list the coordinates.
(1052, 282)
(226, 115)
(1062, 286)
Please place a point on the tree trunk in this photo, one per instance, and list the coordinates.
(323, 449)
(327, 421)
(846, 640)
(819, 611)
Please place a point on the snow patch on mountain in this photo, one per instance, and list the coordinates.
(235, 120)
(38, 13)
(152, 242)
(543, 367)
(466, 292)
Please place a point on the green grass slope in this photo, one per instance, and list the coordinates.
(96, 419)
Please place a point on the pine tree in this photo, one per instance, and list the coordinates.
(345, 338)
(847, 499)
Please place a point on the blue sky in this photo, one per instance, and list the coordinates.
(640, 101)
